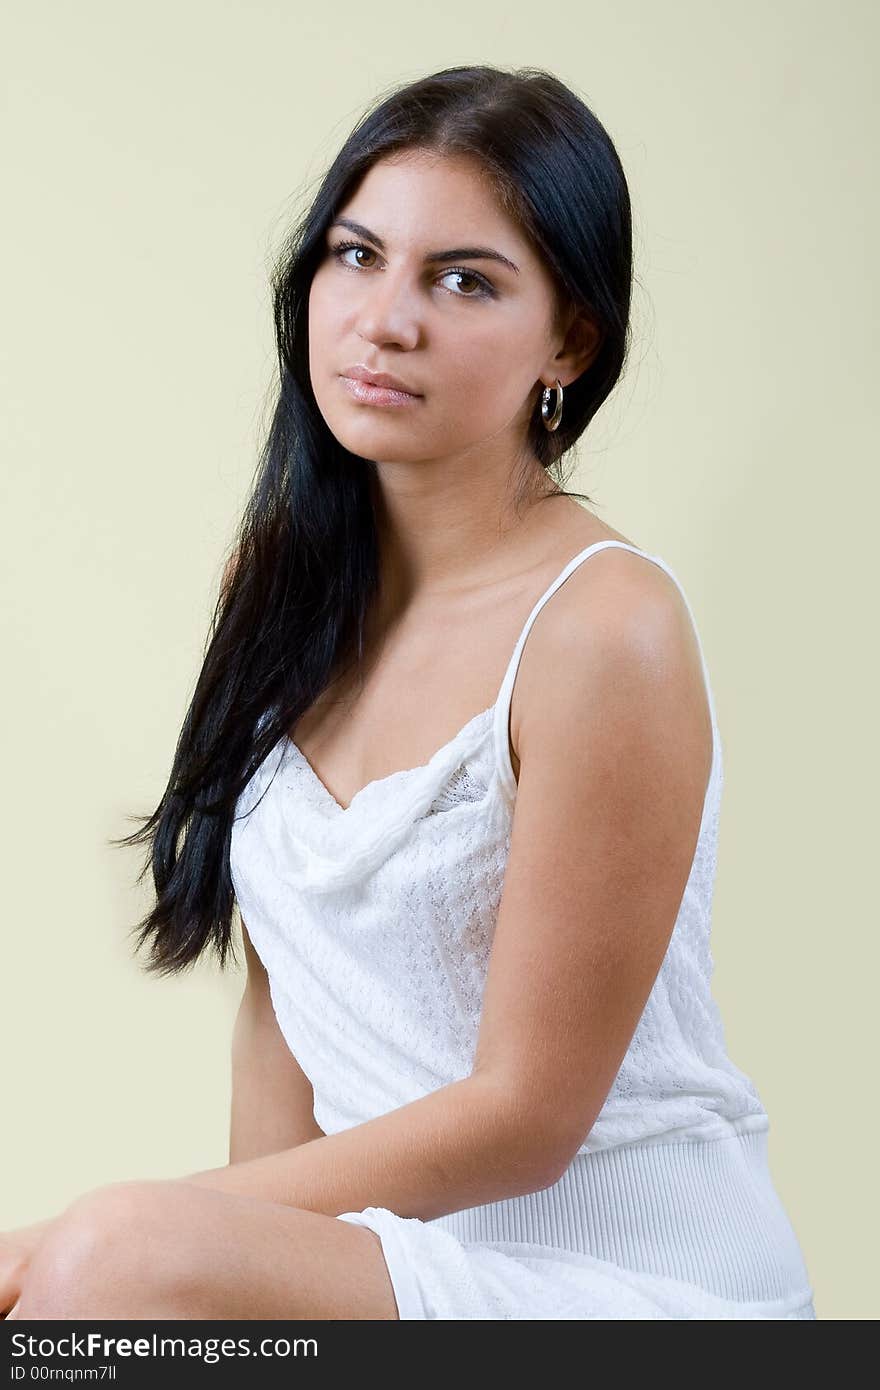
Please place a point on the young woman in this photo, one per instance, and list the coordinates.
(453, 753)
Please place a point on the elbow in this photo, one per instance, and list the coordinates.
(556, 1154)
(540, 1159)
(564, 1141)
(537, 1149)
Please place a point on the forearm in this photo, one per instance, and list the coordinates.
(458, 1147)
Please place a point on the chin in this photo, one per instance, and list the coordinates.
(385, 432)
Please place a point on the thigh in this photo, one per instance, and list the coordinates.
(170, 1250)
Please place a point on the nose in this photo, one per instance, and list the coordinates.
(387, 313)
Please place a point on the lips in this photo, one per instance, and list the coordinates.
(384, 379)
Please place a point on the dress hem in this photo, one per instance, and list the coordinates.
(410, 1306)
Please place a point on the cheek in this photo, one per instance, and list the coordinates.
(321, 318)
(489, 371)
(483, 345)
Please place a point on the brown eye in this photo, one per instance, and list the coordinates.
(469, 275)
(340, 250)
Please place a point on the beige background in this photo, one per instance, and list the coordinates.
(154, 157)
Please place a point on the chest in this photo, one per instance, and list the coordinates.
(410, 702)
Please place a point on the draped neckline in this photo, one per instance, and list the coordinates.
(335, 806)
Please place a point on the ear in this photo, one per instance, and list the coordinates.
(581, 340)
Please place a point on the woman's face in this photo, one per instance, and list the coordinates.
(470, 336)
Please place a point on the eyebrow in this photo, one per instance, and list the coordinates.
(457, 253)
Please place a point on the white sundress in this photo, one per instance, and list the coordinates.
(375, 922)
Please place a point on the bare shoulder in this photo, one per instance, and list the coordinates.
(615, 642)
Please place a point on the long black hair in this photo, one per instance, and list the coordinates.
(304, 568)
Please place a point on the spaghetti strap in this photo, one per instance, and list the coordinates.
(501, 719)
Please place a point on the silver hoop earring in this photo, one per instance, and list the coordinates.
(551, 421)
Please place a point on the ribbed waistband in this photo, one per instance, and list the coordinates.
(703, 1210)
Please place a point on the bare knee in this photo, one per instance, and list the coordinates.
(94, 1244)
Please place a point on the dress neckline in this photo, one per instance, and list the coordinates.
(336, 806)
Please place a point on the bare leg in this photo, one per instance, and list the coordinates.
(145, 1250)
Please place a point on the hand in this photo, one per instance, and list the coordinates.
(16, 1251)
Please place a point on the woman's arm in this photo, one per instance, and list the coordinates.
(272, 1098)
(614, 740)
